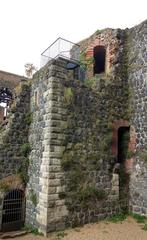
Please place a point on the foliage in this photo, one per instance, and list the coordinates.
(138, 218)
(4, 186)
(23, 171)
(30, 228)
(145, 227)
(130, 154)
(28, 118)
(90, 81)
(25, 149)
(143, 156)
(91, 193)
(33, 197)
(67, 161)
(30, 69)
(68, 95)
(85, 62)
(117, 218)
(99, 31)
(60, 235)
(106, 141)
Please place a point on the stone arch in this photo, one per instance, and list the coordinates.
(13, 210)
(8, 184)
(132, 142)
(98, 41)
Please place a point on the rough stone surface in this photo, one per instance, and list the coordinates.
(14, 133)
(138, 83)
(74, 173)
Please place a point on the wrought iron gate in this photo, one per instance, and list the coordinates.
(13, 210)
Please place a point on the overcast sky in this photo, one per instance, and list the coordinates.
(28, 27)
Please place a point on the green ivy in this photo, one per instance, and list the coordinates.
(25, 149)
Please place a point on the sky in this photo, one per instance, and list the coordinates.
(28, 27)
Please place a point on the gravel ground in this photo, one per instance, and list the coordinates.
(129, 229)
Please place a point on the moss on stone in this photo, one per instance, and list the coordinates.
(68, 95)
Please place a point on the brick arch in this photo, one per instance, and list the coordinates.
(132, 143)
(98, 41)
(116, 126)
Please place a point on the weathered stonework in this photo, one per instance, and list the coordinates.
(138, 83)
(75, 174)
(14, 134)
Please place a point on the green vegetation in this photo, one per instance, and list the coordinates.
(68, 95)
(99, 31)
(91, 193)
(138, 218)
(145, 227)
(28, 118)
(60, 235)
(130, 154)
(25, 149)
(143, 156)
(103, 99)
(90, 82)
(23, 170)
(85, 62)
(117, 218)
(33, 197)
(29, 228)
(4, 186)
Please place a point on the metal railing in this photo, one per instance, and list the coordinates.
(61, 48)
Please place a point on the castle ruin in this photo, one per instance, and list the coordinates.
(73, 143)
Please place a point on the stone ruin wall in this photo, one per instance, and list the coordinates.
(68, 134)
(70, 122)
(138, 84)
(14, 134)
(71, 178)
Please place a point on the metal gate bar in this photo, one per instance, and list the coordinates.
(13, 210)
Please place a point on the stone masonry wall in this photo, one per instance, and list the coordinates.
(46, 137)
(111, 40)
(71, 180)
(138, 82)
(14, 136)
(9, 80)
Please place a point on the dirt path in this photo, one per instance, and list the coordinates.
(127, 230)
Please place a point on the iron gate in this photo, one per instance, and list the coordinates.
(13, 210)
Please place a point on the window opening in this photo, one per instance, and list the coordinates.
(99, 59)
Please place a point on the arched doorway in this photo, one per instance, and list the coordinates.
(99, 54)
(13, 210)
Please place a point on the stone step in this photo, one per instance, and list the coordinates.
(12, 234)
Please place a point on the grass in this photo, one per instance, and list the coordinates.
(117, 218)
(60, 235)
(145, 227)
(32, 230)
(138, 218)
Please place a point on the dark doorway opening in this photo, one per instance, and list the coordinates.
(123, 144)
(13, 210)
(99, 59)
